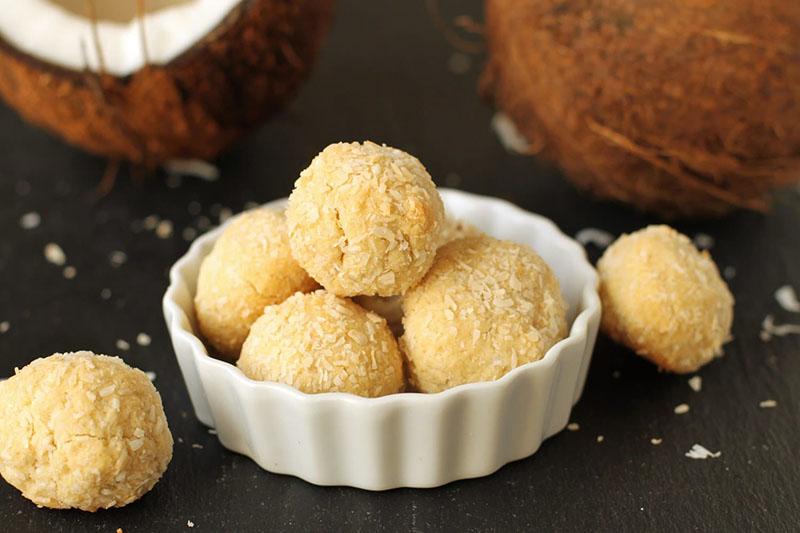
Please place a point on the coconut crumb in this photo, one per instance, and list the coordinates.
(767, 404)
(189, 523)
(5, 325)
(573, 426)
(164, 229)
(30, 220)
(117, 258)
(787, 298)
(597, 237)
(696, 383)
(212, 431)
(600, 438)
(105, 294)
(150, 222)
(70, 272)
(701, 452)
(150, 375)
(143, 339)
(193, 168)
(197, 446)
(508, 134)
(703, 241)
(681, 409)
(122, 345)
(655, 441)
(55, 254)
(769, 329)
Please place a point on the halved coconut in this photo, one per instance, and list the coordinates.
(151, 80)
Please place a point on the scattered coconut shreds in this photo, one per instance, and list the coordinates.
(600, 438)
(189, 523)
(5, 325)
(700, 452)
(197, 446)
(655, 441)
(164, 229)
(70, 272)
(729, 272)
(787, 298)
(105, 294)
(150, 375)
(150, 222)
(54, 254)
(459, 63)
(573, 426)
(770, 329)
(696, 383)
(703, 241)
(117, 258)
(123, 345)
(212, 431)
(30, 220)
(143, 339)
(597, 237)
(681, 409)
(193, 168)
(767, 404)
(508, 134)
(189, 234)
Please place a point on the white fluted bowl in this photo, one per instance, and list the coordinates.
(402, 440)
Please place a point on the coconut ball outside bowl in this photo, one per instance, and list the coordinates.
(85, 431)
(406, 439)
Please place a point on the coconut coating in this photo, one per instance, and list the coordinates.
(319, 342)
(365, 219)
(485, 307)
(251, 266)
(79, 430)
(664, 299)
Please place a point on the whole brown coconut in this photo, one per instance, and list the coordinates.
(683, 107)
(193, 106)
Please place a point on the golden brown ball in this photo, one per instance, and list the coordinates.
(664, 299)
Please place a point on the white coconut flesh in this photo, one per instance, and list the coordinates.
(119, 41)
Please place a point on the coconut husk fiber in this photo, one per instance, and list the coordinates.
(681, 107)
(195, 106)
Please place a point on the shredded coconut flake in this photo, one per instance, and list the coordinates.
(597, 237)
(681, 409)
(700, 452)
(600, 438)
(54, 254)
(193, 168)
(573, 426)
(655, 441)
(135, 444)
(696, 383)
(70, 272)
(767, 404)
(164, 229)
(105, 294)
(107, 391)
(197, 446)
(5, 325)
(150, 375)
(143, 339)
(703, 241)
(122, 345)
(787, 298)
(117, 258)
(770, 329)
(508, 134)
(189, 523)
(30, 220)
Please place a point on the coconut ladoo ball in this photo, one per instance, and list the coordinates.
(319, 342)
(365, 219)
(664, 299)
(485, 307)
(251, 266)
(682, 107)
(85, 431)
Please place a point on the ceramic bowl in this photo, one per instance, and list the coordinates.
(408, 439)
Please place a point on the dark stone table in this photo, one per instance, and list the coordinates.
(389, 74)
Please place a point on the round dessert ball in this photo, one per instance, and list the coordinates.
(484, 308)
(664, 299)
(250, 267)
(319, 342)
(85, 431)
(365, 219)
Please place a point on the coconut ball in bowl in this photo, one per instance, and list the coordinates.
(85, 431)
(664, 299)
(365, 219)
(319, 342)
(251, 266)
(485, 307)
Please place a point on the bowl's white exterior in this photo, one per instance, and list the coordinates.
(402, 440)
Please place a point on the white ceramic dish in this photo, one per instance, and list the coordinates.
(402, 440)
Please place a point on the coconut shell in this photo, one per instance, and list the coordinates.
(195, 106)
(682, 107)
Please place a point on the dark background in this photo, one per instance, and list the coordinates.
(387, 74)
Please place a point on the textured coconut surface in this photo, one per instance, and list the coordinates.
(388, 74)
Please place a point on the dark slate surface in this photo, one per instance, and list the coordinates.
(386, 75)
